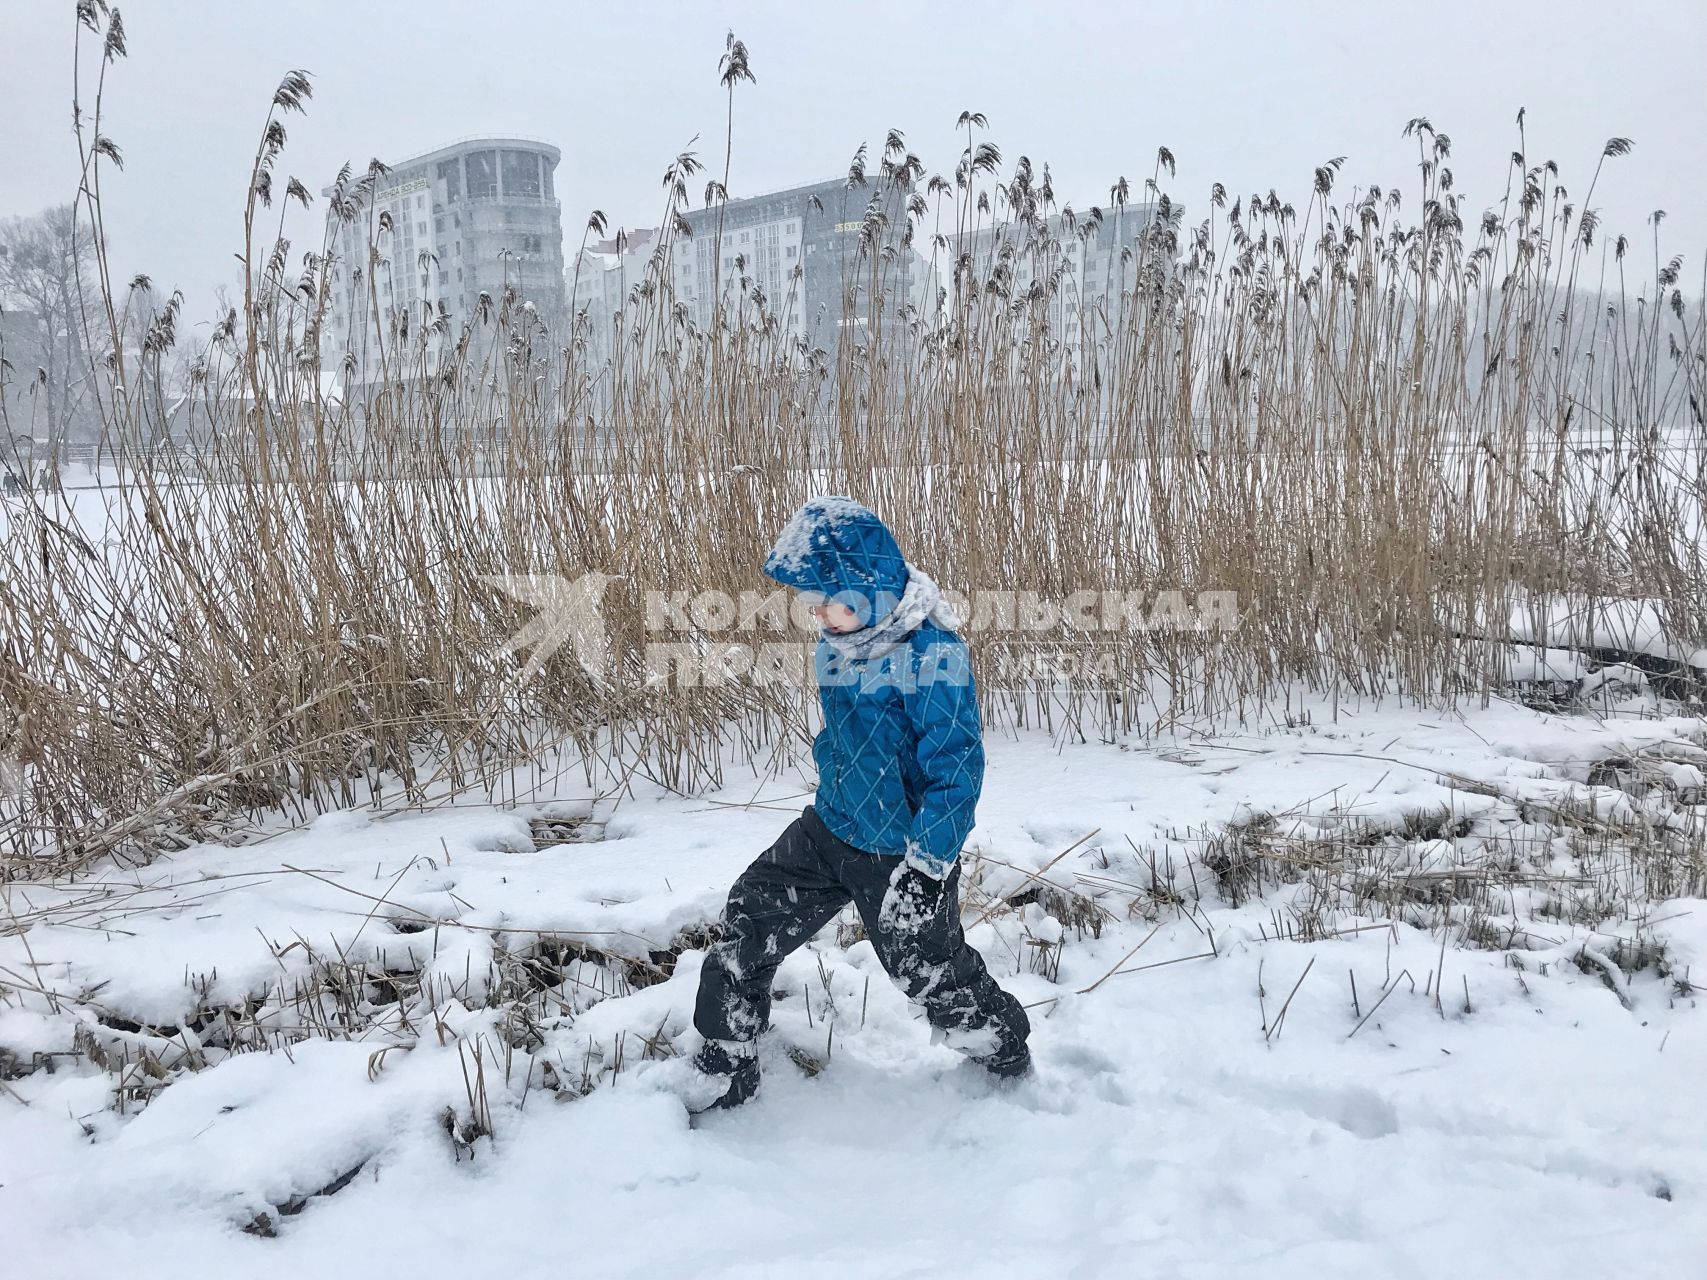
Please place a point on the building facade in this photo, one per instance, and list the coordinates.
(461, 225)
(599, 281)
(802, 249)
(1098, 261)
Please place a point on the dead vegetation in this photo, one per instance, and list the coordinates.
(1554, 877)
(1382, 422)
(1507, 872)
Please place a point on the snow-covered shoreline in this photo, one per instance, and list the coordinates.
(1211, 1098)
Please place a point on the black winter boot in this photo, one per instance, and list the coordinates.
(1008, 1063)
(714, 1059)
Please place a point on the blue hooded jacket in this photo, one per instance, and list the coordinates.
(901, 755)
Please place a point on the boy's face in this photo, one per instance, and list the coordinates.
(834, 616)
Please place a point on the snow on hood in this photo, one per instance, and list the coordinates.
(837, 547)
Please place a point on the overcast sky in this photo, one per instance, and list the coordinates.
(1248, 93)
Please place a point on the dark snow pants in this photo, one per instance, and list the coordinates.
(793, 890)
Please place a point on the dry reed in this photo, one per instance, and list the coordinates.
(1400, 437)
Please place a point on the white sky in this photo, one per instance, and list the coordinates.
(1244, 92)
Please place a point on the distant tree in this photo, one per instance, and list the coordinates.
(47, 283)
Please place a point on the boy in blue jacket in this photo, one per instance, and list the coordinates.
(900, 765)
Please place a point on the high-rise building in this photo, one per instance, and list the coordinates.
(599, 282)
(802, 249)
(1097, 259)
(465, 223)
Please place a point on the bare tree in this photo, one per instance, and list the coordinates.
(47, 291)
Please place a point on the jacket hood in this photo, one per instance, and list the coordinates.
(840, 549)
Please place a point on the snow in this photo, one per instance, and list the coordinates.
(1535, 664)
(1524, 1113)
(794, 543)
(1636, 626)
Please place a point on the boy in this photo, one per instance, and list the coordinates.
(900, 764)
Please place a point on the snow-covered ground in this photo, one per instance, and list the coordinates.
(1212, 1097)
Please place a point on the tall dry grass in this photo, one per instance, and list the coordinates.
(1396, 431)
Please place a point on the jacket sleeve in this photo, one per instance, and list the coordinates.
(942, 707)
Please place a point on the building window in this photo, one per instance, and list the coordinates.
(482, 174)
(521, 173)
(420, 228)
(791, 251)
(450, 173)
